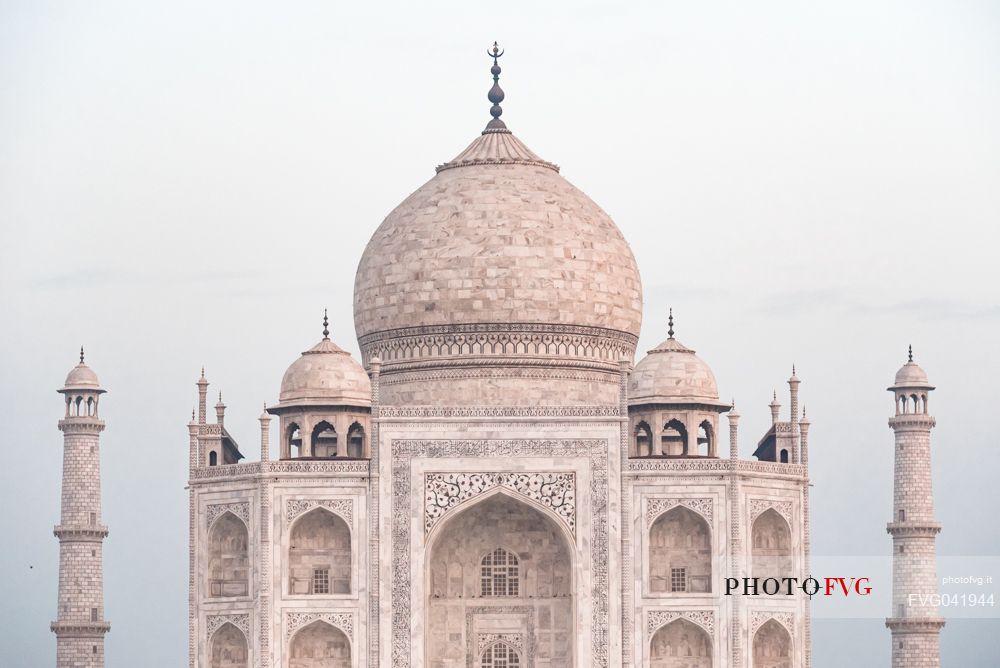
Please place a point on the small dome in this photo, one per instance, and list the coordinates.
(325, 375)
(672, 374)
(910, 375)
(82, 377)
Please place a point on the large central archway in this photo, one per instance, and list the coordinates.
(499, 569)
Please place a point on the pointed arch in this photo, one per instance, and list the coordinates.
(356, 440)
(680, 553)
(772, 646)
(674, 439)
(293, 436)
(324, 440)
(643, 439)
(228, 557)
(319, 554)
(228, 648)
(516, 540)
(680, 644)
(771, 546)
(319, 645)
(706, 439)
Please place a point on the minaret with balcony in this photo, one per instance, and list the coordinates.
(80, 625)
(914, 622)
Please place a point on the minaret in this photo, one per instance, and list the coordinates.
(914, 620)
(80, 624)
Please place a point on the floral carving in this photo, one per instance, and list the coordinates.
(445, 491)
(758, 506)
(240, 621)
(655, 507)
(240, 509)
(759, 617)
(341, 620)
(656, 619)
(342, 507)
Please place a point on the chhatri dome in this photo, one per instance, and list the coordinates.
(670, 374)
(483, 265)
(325, 375)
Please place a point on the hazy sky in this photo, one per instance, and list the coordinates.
(188, 183)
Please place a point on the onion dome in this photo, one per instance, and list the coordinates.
(488, 261)
(911, 376)
(82, 377)
(671, 373)
(325, 375)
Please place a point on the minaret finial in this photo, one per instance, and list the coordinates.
(496, 93)
(670, 323)
(326, 326)
(910, 354)
(81, 355)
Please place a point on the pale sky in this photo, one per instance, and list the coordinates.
(187, 183)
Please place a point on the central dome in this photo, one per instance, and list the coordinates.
(500, 275)
(497, 236)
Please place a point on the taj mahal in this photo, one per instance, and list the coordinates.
(501, 480)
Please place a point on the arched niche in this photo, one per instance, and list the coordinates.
(680, 553)
(643, 440)
(772, 646)
(674, 439)
(319, 645)
(706, 439)
(680, 644)
(356, 441)
(228, 557)
(228, 648)
(771, 546)
(319, 554)
(324, 440)
(498, 537)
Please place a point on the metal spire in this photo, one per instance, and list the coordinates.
(326, 326)
(670, 324)
(910, 353)
(81, 354)
(496, 93)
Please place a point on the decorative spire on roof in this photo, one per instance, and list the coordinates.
(910, 354)
(670, 323)
(326, 326)
(496, 93)
(81, 354)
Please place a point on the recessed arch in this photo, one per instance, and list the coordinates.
(772, 646)
(319, 645)
(674, 439)
(319, 554)
(643, 439)
(771, 546)
(544, 550)
(680, 644)
(680, 553)
(228, 557)
(324, 440)
(356, 440)
(706, 439)
(228, 648)
(293, 436)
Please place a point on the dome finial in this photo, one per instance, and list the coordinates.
(496, 93)
(81, 354)
(909, 354)
(326, 326)
(670, 323)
